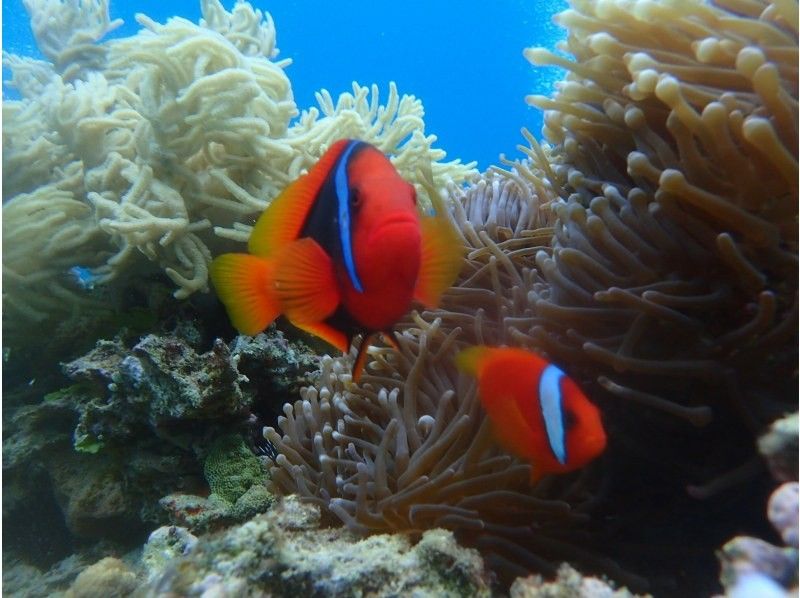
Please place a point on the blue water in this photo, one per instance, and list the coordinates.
(462, 59)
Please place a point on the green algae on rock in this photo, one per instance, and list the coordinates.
(143, 419)
(231, 468)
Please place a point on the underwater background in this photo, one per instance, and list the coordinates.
(640, 233)
(333, 44)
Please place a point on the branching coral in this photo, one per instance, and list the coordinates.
(74, 232)
(178, 140)
(67, 31)
(675, 252)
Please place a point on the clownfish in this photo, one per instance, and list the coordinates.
(536, 411)
(341, 251)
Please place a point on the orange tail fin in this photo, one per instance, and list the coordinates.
(243, 283)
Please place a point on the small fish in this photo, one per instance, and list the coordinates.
(536, 411)
(83, 277)
(341, 251)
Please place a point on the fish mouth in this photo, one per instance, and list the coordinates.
(399, 220)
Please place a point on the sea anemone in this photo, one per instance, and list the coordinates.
(674, 152)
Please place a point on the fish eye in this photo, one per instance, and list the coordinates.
(355, 199)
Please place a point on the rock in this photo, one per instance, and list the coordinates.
(782, 511)
(779, 446)
(92, 496)
(256, 500)
(165, 376)
(196, 513)
(164, 545)
(567, 584)
(275, 365)
(751, 566)
(107, 578)
(756, 585)
(744, 555)
(284, 553)
(21, 579)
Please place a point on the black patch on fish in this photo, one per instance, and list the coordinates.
(322, 222)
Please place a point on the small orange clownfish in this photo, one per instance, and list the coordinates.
(341, 251)
(537, 412)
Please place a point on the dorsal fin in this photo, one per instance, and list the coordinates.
(469, 360)
(283, 219)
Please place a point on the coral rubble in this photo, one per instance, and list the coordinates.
(752, 566)
(567, 583)
(285, 553)
(746, 560)
(779, 447)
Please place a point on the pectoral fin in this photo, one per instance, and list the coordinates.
(282, 221)
(469, 360)
(442, 257)
(305, 282)
(361, 357)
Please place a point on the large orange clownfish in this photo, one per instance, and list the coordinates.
(341, 251)
(536, 411)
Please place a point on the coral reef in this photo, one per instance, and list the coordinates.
(125, 445)
(164, 144)
(648, 247)
(282, 553)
